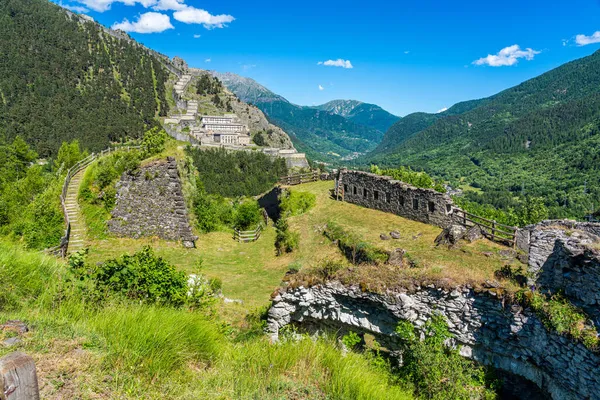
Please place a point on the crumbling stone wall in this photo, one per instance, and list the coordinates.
(150, 202)
(489, 331)
(386, 194)
(562, 258)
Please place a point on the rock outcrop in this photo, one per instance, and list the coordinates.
(506, 337)
(150, 202)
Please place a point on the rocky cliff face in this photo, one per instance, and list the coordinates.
(489, 331)
(150, 202)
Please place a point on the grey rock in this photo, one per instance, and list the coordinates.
(395, 234)
(473, 234)
(451, 235)
(396, 258)
(383, 236)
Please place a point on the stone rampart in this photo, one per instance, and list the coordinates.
(489, 331)
(386, 194)
(150, 202)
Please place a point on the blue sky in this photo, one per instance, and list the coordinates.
(406, 56)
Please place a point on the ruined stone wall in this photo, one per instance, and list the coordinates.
(150, 202)
(562, 258)
(386, 194)
(506, 337)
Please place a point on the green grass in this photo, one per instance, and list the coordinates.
(131, 351)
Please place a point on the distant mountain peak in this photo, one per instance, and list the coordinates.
(247, 89)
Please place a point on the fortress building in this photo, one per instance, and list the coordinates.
(223, 129)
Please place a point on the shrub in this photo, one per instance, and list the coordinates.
(351, 340)
(285, 240)
(143, 276)
(247, 215)
(296, 203)
(153, 141)
(354, 249)
(437, 371)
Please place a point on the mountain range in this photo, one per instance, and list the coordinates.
(540, 138)
(340, 129)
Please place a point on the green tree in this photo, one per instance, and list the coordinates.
(68, 155)
(248, 215)
(153, 141)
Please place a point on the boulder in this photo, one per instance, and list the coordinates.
(396, 258)
(395, 234)
(474, 233)
(451, 235)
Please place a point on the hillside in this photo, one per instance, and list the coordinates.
(539, 138)
(72, 80)
(323, 135)
(370, 115)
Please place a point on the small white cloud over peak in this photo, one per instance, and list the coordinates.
(442, 110)
(507, 56)
(246, 67)
(73, 7)
(192, 15)
(321, 88)
(197, 36)
(406, 51)
(207, 60)
(167, 5)
(583, 40)
(103, 5)
(337, 63)
(150, 22)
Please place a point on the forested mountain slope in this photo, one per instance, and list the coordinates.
(539, 138)
(323, 135)
(366, 114)
(72, 80)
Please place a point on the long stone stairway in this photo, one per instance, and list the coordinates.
(78, 228)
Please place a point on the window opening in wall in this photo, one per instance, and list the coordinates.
(416, 204)
(355, 190)
(431, 206)
(376, 195)
(365, 193)
(401, 200)
(388, 197)
(345, 188)
(448, 208)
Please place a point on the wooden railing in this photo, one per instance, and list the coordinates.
(299, 178)
(247, 236)
(504, 234)
(62, 249)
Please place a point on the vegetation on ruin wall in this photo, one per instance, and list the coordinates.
(236, 173)
(418, 179)
(353, 248)
(125, 349)
(30, 209)
(72, 81)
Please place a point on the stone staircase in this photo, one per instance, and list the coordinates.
(78, 229)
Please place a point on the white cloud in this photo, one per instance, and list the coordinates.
(321, 88)
(191, 15)
(406, 52)
(583, 40)
(149, 22)
(103, 5)
(197, 36)
(442, 110)
(166, 5)
(507, 56)
(207, 60)
(74, 8)
(248, 66)
(337, 63)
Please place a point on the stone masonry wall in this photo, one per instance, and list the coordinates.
(150, 202)
(506, 337)
(386, 194)
(562, 259)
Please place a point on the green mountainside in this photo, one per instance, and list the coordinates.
(539, 138)
(322, 134)
(72, 80)
(366, 114)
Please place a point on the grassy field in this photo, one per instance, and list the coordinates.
(251, 271)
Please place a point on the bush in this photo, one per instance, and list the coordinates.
(296, 203)
(145, 277)
(247, 215)
(437, 371)
(153, 141)
(285, 240)
(354, 249)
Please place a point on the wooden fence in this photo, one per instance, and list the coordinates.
(492, 230)
(247, 236)
(62, 249)
(299, 178)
